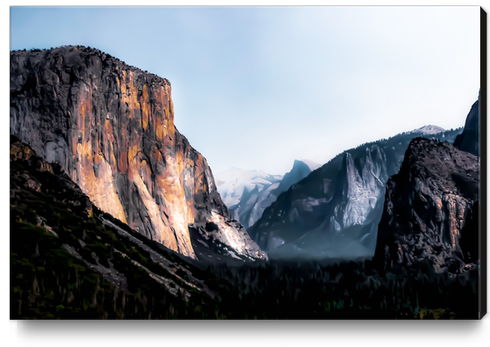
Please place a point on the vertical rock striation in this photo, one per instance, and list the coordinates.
(111, 127)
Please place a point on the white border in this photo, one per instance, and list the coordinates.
(211, 333)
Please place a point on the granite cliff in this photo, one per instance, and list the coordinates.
(431, 209)
(432, 205)
(111, 127)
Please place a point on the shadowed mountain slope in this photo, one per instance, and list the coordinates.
(469, 139)
(248, 193)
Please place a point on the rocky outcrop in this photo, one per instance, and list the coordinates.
(334, 211)
(111, 127)
(431, 209)
(469, 139)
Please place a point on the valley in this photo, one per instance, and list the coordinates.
(114, 215)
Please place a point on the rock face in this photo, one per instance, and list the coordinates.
(334, 211)
(469, 140)
(431, 209)
(111, 127)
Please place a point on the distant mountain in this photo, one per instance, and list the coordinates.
(429, 130)
(431, 209)
(299, 171)
(334, 212)
(311, 164)
(248, 193)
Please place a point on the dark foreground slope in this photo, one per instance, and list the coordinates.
(431, 209)
(70, 260)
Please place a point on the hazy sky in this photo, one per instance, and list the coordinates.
(257, 87)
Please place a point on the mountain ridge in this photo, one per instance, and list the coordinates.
(336, 207)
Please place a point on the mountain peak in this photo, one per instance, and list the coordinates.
(429, 130)
(299, 164)
(311, 164)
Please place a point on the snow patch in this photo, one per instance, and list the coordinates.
(429, 130)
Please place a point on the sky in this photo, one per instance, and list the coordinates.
(258, 87)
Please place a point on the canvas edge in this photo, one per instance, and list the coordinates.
(482, 284)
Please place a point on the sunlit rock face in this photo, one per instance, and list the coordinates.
(111, 127)
(334, 212)
(431, 209)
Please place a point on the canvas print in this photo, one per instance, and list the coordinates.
(319, 162)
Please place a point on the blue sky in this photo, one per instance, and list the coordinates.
(257, 87)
